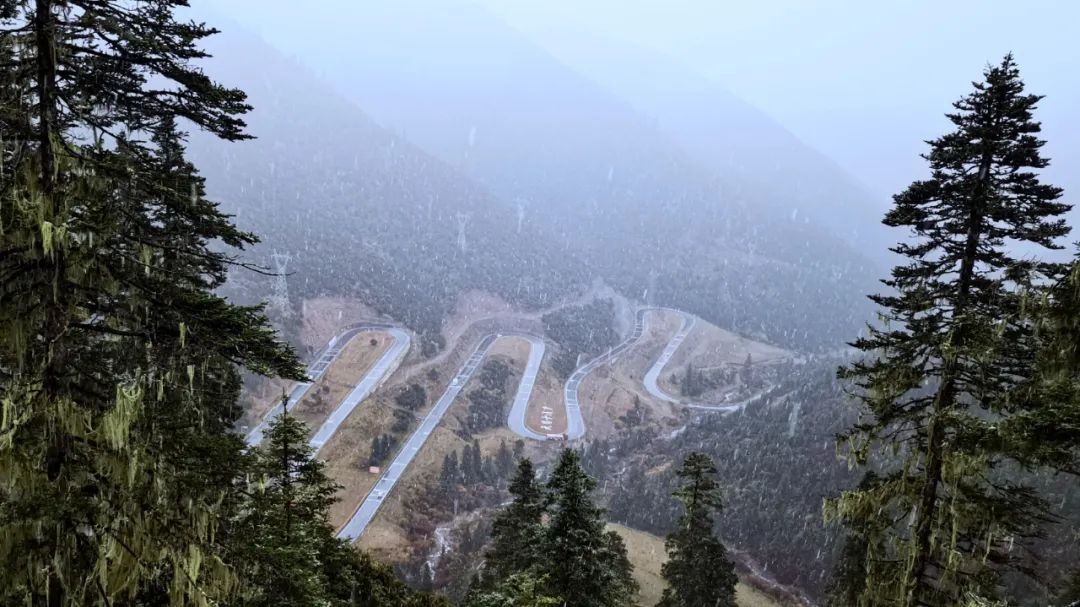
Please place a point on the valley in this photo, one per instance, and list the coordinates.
(429, 408)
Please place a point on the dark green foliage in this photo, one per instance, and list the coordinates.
(698, 571)
(518, 590)
(117, 360)
(637, 415)
(121, 481)
(472, 463)
(412, 398)
(1049, 418)
(936, 386)
(402, 420)
(504, 460)
(382, 447)
(518, 533)
(555, 533)
(583, 561)
(580, 330)
(849, 575)
(487, 403)
(473, 468)
(693, 382)
(450, 474)
(774, 482)
(290, 495)
(1070, 594)
(360, 581)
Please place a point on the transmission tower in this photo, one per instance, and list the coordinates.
(279, 300)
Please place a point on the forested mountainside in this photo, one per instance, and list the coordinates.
(779, 464)
(362, 212)
(580, 164)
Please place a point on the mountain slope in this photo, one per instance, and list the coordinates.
(362, 212)
(765, 162)
(580, 164)
(584, 165)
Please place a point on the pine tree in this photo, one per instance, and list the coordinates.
(518, 590)
(625, 590)
(475, 463)
(517, 533)
(291, 495)
(283, 543)
(450, 474)
(505, 460)
(687, 387)
(698, 571)
(584, 565)
(1069, 596)
(117, 360)
(954, 346)
(1046, 426)
(849, 574)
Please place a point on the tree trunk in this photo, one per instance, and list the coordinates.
(946, 394)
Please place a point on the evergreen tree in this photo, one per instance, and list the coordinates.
(1046, 425)
(450, 474)
(490, 470)
(505, 460)
(517, 533)
(849, 574)
(954, 346)
(1069, 596)
(584, 565)
(290, 497)
(475, 466)
(519, 590)
(117, 360)
(357, 580)
(688, 387)
(625, 591)
(698, 571)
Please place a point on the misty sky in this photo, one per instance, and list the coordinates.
(864, 83)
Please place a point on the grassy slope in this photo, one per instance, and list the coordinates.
(646, 552)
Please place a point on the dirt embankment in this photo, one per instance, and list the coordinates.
(712, 350)
(355, 360)
(386, 536)
(613, 389)
(348, 451)
(321, 319)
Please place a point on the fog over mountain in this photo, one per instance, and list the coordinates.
(353, 203)
(642, 190)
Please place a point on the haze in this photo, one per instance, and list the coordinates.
(864, 84)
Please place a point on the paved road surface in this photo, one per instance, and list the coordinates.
(520, 408)
(653, 374)
(390, 477)
(372, 379)
(657, 368)
(575, 425)
(314, 371)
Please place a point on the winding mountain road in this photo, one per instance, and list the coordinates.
(650, 380)
(375, 498)
(575, 425)
(317, 368)
(378, 373)
(516, 421)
